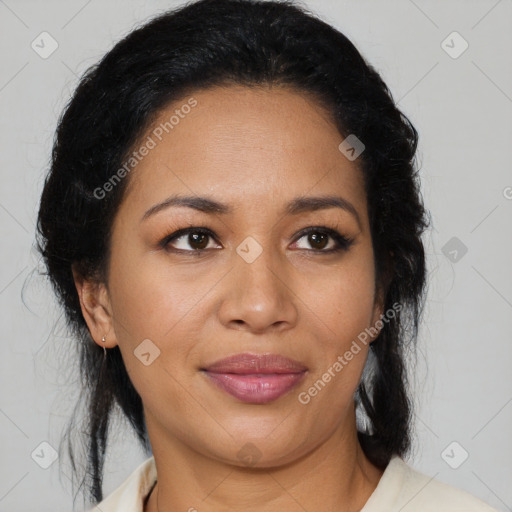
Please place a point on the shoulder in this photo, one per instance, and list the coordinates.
(130, 495)
(404, 488)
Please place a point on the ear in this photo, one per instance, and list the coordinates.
(96, 309)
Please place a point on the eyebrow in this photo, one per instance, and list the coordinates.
(294, 207)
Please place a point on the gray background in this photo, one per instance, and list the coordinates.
(462, 109)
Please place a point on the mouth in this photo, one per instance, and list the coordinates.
(255, 378)
(255, 388)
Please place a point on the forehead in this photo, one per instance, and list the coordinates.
(262, 145)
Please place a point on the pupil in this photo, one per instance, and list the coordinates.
(198, 240)
(317, 240)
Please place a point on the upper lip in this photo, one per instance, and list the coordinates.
(256, 363)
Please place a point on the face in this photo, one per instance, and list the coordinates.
(246, 278)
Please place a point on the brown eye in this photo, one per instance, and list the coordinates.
(198, 240)
(318, 239)
(188, 240)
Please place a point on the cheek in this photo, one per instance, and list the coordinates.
(148, 299)
(341, 298)
(162, 308)
(342, 308)
(165, 304)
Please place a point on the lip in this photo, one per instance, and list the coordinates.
(247, 363)
(255, 378)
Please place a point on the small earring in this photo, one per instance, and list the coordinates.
(104, 349)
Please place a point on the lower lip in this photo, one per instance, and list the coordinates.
(256, 389)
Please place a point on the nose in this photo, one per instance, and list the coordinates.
(257, 296)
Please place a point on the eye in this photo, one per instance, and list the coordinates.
(196, 238)
(318, 239)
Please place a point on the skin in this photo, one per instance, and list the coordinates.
(255, 150)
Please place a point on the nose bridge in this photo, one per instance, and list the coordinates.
(256, 260)
(256, 295)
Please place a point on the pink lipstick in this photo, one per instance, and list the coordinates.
(256, 378)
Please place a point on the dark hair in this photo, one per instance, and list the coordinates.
(197, 46)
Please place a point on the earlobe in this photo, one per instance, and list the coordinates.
(96, 309)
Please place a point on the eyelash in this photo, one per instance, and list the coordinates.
(343, 243)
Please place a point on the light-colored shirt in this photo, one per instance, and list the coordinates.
(400, 488)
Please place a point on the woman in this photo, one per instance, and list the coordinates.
(233, 222)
